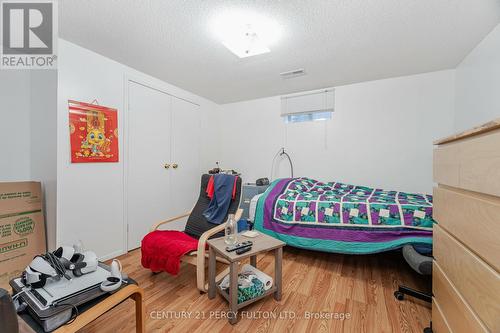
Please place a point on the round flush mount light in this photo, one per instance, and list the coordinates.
(245, 33)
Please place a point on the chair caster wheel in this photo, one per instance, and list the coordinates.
(427, 330)
(399, 295)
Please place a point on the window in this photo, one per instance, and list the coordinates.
(312, 116)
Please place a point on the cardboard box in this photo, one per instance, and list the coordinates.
(22, 228)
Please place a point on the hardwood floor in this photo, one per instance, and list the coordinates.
(360, 288)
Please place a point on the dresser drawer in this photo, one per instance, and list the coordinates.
(472, 163)
(472, 218)
(445, 165)
(457, 312)
(478, 283)
(439, 324)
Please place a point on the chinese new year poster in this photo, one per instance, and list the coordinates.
(93, 133)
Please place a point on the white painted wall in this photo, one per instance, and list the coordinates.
(380, 135)
(478, 84)
(90, 205)
(15, 87)
(43, 147)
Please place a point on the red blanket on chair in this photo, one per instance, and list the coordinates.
(162, 250)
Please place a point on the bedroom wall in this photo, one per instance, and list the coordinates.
(478, 82)
(90, 196)
(43, 147)
(380, 135)
(15, 87)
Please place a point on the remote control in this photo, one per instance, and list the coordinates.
(239, 246)
(243, 250)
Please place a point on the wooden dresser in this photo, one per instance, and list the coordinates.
(466, 279)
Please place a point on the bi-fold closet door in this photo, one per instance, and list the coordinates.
(162, 170)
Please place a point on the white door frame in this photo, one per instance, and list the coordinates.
(125, 118)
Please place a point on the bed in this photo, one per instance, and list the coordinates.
(343, 218)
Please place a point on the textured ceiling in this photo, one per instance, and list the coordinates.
(337, 42)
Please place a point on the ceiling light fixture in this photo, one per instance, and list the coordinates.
(244, 33)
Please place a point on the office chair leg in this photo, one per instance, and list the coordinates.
(403, 290)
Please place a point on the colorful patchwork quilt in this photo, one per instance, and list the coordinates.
(343, 218)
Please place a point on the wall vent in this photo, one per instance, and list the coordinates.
(293, 73)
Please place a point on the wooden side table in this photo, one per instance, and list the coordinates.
(262, 243)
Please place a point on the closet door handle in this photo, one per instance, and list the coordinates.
(175, 165)
(166, 166)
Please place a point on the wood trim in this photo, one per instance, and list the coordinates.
(472, 218)
(476, 281)
(484, 128)
(455, 309)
